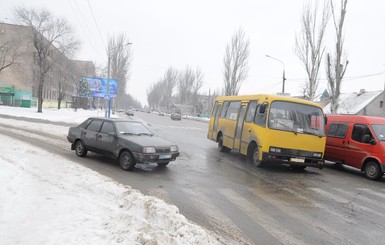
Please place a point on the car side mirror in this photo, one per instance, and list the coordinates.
(372, 142)
(368, 139)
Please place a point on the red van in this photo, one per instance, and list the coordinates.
(357, 141)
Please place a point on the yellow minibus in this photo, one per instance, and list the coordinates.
(270, 127)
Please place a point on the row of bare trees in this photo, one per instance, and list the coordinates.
(186, 85)
(310, 47)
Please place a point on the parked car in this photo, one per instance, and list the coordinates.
(176, 114)
(357, 141)
(161, 114)
(126, 140)
(129, 113)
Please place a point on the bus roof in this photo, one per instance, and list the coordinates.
(266, 97)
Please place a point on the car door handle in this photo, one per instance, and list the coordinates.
(84, 133)
(99, 136)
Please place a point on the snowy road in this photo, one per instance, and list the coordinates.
(242, 204)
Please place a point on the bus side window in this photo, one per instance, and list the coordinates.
(224, 109)
(260, 117)
(251, 111)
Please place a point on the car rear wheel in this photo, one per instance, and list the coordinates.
(221, 147)
(80, 149)
(126, 161)
(372, 170)
(162, 164)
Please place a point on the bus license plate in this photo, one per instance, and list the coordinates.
(168, 156)
(300, 160)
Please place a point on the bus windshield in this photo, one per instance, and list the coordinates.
(296, 118)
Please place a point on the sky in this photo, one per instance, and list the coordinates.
(181, 33)
(48, 199)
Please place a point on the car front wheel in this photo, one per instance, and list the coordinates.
(80, 149)
(126, 161)
(372, 170)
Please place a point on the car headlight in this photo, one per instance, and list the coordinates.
(174, 148)
(149, 149)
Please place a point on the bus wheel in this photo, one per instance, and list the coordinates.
(255, 157)
(372, 170)
(221, 147)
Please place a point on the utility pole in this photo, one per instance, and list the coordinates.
(283, 73)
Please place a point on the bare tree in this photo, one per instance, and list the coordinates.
(336, 66)
(185, 83)
(309, 43)
(197, 85)
(65, 77)
(8, 54)
(236, 61)
(169, 81)
(49, 36)
(120, 55)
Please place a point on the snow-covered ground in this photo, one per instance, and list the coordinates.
(46, 199)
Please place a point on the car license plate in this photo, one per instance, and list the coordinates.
(300, 160)
(168, 156)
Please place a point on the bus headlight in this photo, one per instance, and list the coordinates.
(317, 154)
(275, 149)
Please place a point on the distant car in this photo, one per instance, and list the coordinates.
(176, 114)
(126, 140)
(161, 113)
(129, 113)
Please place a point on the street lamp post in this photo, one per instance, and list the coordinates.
(108, 112)
(283, 74)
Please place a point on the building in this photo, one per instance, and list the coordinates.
(19, 82)
(367, 103)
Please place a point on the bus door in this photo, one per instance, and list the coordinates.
(238, 130)
(214, 124)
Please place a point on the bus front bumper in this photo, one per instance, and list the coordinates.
(294, 160)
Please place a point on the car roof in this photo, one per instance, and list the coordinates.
(114, 119)
(355, 119)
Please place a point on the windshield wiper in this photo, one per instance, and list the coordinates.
(128, 133)
(149, 134)
(287, 127)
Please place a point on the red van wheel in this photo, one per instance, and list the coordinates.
(372, 170)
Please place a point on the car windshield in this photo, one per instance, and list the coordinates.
(133, 128)
(296, 118)
(379, 130)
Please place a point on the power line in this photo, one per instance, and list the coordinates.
(96, 24)
(81, 22)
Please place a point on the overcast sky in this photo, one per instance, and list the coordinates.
(182, 33)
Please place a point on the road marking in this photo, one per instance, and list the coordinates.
(220, 222)
(304, 218)
(270, 224)
(361, 197)
(354, 206)
(374, 193)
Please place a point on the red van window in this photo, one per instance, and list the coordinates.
(337, 130)
(359, 131)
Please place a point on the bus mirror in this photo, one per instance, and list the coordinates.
(326, 119)
(262, 109)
